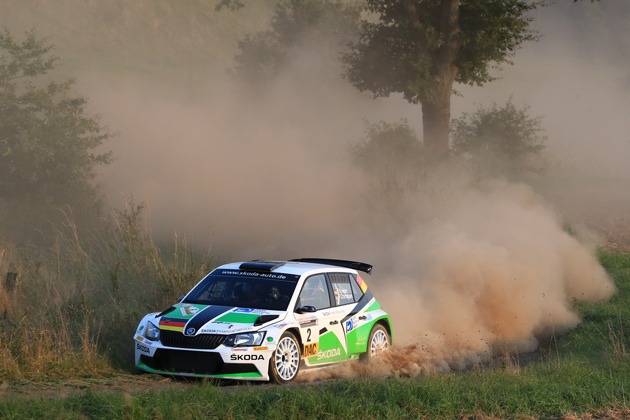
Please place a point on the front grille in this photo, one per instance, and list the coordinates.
(201, 363)
(201, 341)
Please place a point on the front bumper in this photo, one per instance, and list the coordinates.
(246, 363)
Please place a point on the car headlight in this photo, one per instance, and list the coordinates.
(246, 339)
(152, 332)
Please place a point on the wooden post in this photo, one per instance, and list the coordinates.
(11, 279)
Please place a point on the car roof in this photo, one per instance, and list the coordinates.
(299, 266)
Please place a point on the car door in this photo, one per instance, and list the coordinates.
(313, 298)
(324, 329)
(320, 323)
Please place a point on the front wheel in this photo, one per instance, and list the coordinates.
(285, 360)
(378, 342)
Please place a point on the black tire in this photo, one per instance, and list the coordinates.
(378, 342)
(285, 360)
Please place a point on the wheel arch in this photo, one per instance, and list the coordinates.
(296, 332)
(385, 323)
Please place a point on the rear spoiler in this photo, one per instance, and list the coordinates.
(366, 268)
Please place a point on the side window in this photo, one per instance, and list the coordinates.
(356, 290)
(342, 290)
(315, 293)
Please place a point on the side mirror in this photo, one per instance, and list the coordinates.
(305, 309)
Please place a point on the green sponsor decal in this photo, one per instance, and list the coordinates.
(147, 368)
(240, 375)
(238, 318)
(330, 349)
(374, 306)
(225, 375)
(357, 338)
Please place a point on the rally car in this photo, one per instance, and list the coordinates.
(266, 321)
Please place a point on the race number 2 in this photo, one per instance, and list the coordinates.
(310, 348)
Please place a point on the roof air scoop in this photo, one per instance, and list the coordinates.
(260, 266)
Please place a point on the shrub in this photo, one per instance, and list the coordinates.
(499, 141)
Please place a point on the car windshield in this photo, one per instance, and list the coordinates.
(245, 289)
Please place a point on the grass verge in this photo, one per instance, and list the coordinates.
(583, 373)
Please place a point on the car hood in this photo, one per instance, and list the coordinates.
(193, 319)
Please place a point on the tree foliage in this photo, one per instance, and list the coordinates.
(295, 23)
(390, 155)
(229, 4)
(48, 142)
(500, 140)
(420, 48)
(49, 145)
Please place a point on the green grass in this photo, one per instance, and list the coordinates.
(543, 391)
(586, 370)
(604, 328)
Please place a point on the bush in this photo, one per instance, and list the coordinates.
(499, 141)
(391, 156)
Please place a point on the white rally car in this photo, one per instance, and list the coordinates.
(266, 320)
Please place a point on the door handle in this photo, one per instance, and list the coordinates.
(363, 317)
(334, 322)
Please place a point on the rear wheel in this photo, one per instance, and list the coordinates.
(285, 360)
(378, 342)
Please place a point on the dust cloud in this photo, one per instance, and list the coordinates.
(483, 270)
(467, 269)
(492, 273)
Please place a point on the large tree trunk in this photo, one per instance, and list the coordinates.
(436, 117)
(436, 106)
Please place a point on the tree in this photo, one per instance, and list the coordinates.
(295, 22)
(420, 48)
(502, 141)
(47, 141)
(389, 154)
